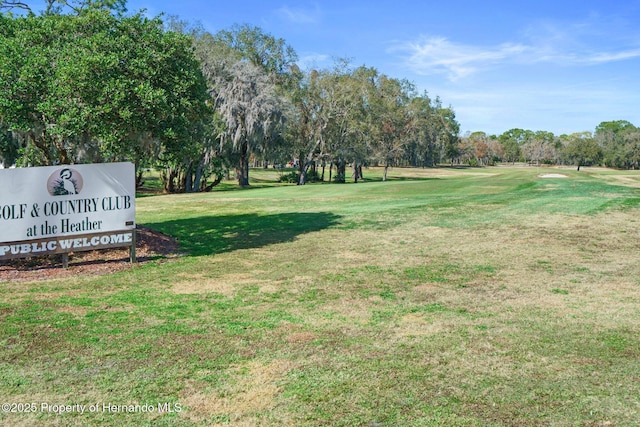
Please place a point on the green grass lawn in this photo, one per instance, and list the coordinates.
(457, 297)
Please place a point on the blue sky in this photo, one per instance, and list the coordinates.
(560, 66)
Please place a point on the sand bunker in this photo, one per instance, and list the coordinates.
(552, 175)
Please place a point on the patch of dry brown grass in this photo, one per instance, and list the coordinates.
(254, 392)
(434, 172)
(198, 283)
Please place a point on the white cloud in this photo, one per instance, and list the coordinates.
(313, 60)
(560, 76)
(456, 60)
(439, 55)
(603, 57)
(300, 15)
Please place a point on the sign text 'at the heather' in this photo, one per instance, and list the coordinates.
(66, 208)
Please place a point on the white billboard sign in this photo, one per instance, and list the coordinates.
(66, 208)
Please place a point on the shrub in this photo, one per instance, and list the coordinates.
(292, 177)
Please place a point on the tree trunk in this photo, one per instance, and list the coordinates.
(207, 188)
(139, 177)
(302, 179)
(384, 174)
(341, 167)
(188, 181)
(308, 160)
(243, 166)
(63, 154)
(198, 179)
(168, 178)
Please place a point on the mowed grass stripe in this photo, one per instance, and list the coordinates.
(467, 297)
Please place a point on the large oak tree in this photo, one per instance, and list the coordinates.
(96, 87)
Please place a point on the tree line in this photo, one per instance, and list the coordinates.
(83, 82)
(614, 144)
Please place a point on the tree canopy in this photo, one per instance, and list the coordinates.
(82, 81)
(94, 87)
(582, 149)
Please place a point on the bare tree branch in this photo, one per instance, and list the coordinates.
(75, 6)
(8, 5)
